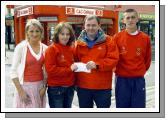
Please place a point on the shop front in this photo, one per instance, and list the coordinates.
(50, 16)
(147, 25)
(75, 16)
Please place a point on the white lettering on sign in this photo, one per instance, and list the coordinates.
(83, 11)
(25, 11)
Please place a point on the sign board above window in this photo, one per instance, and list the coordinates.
(47, 18)
(83, 11)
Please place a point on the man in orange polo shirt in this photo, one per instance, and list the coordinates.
(100, 54)
(134, 60)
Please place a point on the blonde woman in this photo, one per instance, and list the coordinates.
(27, 71)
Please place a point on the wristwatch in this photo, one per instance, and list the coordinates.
(97, 67)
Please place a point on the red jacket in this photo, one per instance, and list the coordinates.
(135, 54)
(104, 54)
(58, 59)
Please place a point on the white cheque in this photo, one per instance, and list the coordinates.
(81, 67)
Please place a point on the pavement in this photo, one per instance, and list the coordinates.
(9, 87)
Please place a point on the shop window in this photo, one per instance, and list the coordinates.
(77, 29)
(144, 26)
(50, 32)
(149, 28)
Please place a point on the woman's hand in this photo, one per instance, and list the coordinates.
(42, 92)
(74, 67)
(24, 97)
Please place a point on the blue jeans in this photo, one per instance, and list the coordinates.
(130, 92)
(86, 97)
(60, 97)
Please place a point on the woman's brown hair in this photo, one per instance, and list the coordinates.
(59, 28)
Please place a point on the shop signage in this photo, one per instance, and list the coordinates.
(147, 17)
(25, 11)
(83, 11)
(75, 19)
(106, 21)
(47, 18)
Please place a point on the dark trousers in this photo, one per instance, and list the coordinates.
(60, 97)
(130, 92)
(87, 97)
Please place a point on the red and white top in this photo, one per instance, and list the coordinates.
(33, 67)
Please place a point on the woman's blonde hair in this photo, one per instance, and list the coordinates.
(59, 28)
(34, 22)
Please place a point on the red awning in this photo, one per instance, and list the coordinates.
(10, 6)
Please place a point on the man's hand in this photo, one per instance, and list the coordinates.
(91, 65)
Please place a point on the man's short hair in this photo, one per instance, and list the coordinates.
(90, 17)
(130, 10)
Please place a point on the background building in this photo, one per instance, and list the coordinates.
(50, 15)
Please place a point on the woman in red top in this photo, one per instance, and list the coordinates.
(59, 66)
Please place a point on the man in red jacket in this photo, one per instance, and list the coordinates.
(134, 60)
(100, 54)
